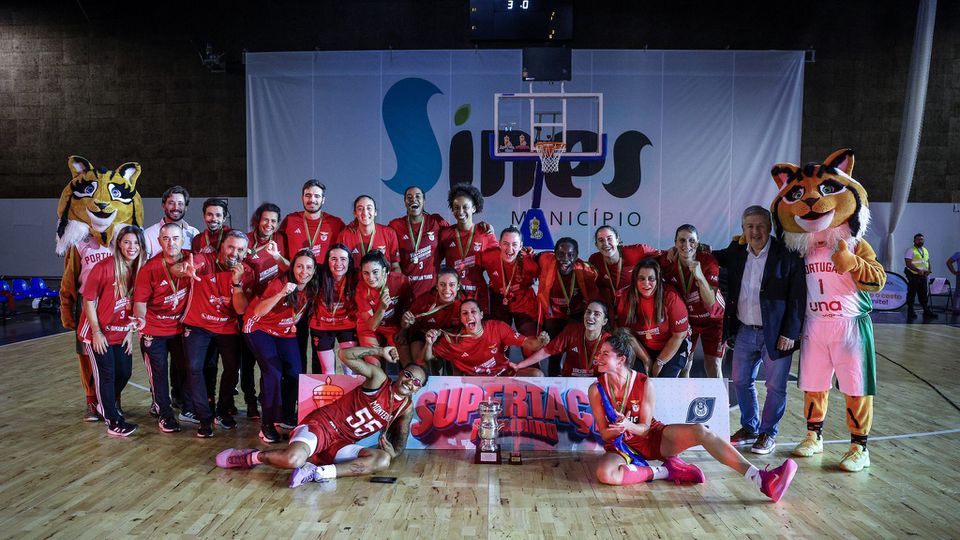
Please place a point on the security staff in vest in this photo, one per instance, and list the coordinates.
(917, 261)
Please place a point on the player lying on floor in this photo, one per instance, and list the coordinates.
(324, 445)
(622, 401)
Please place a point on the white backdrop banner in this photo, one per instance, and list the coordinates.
(692, 135)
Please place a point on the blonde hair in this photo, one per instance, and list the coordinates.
(126, 275)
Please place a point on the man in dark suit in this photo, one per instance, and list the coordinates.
(764, 315)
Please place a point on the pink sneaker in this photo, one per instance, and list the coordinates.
(236, 458)
(303, 474)
(682, 472)
(774, 483)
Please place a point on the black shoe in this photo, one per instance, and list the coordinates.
(155, 410)
(285, 425)
(253, 412)
(743, 436)
(120, 428)
(226, 421)
(187, 416)
(269, 434)
(911, 315)
(205, 431)
(169, 425)
(929, 316)
(764, 445)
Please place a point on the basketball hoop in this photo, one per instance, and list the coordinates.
(550, 153)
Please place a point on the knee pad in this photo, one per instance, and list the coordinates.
(302, 434)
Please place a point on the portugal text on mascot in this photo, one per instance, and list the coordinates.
(93, 207)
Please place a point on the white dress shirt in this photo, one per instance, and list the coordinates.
(152, 236)
(748, 303)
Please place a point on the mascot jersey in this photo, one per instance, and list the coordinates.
(831, 295)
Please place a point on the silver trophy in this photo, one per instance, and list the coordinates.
(488, 449)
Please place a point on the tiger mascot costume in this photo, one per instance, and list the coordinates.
(93, 207)
(822, 214)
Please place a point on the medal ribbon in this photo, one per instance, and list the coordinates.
(503, 275)
(621, 446)
(416, 244)
(206, 235)
(685, 284)
(258, 248)
(616, 284)
(174, 284)
(463, 254)
(433, 309)
(312, 238)
(366, 249)
(573, 286)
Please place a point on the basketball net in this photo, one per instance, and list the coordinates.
(550, 153)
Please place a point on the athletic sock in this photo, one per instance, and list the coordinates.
(816, 427)
(254, 458)
(753, 475)
(633, 474)
(326, 472)
(659, 472)
(859, 439)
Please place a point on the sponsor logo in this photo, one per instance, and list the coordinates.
(701, 410)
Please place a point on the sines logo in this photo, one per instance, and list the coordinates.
(701, 410)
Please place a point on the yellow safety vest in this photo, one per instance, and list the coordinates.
(921, 259)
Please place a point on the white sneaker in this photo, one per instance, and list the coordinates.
(856, 458)
(810, 445)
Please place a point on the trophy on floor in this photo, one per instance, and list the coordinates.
(488, 446)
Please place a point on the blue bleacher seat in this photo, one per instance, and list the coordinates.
(39, 289)
(21, 290)
(4, 286)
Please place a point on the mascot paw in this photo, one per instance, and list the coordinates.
(856, 458)
(843, 260)
(740, 239)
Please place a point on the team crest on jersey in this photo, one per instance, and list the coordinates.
(323, 236)
(476, 246)
(430, 236)
(635, 405)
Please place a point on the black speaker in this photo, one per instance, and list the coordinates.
(546, 64)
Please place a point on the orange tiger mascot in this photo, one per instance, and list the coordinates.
(822, 213)
(93, 207)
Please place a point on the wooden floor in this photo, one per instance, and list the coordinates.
(63, 478)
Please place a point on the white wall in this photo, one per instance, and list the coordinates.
(938, 222)
(30, 227)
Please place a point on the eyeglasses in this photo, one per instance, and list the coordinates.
(416, 381)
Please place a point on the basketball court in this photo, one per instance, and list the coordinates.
(65, 478)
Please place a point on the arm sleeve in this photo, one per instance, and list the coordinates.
(796, 298)
(676, 312)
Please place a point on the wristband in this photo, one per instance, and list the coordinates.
(238, 285)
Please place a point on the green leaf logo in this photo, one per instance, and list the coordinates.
(462, 115)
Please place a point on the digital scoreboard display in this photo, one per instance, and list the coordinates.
(521, 20)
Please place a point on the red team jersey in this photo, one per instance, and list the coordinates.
(699, 314)
(340, 314)
(113, 314)
(265, 267)
(613, 279)
(655, 336)
(316, 234)
(580, 352)
(281, 321)
(430, 315)
(419, 261)
(524, 271)
(384, 240)
(208, 242)
(165, 296)
(647, 445)
(210, 303)
(368, 300)
(358, 414)
(461, 251)
(480, 355)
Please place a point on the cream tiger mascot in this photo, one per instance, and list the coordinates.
(93, 207)
(822, 213)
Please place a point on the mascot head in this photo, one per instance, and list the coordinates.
(819, 201)
(97, 201)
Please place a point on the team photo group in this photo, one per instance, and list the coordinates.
(396, 301)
